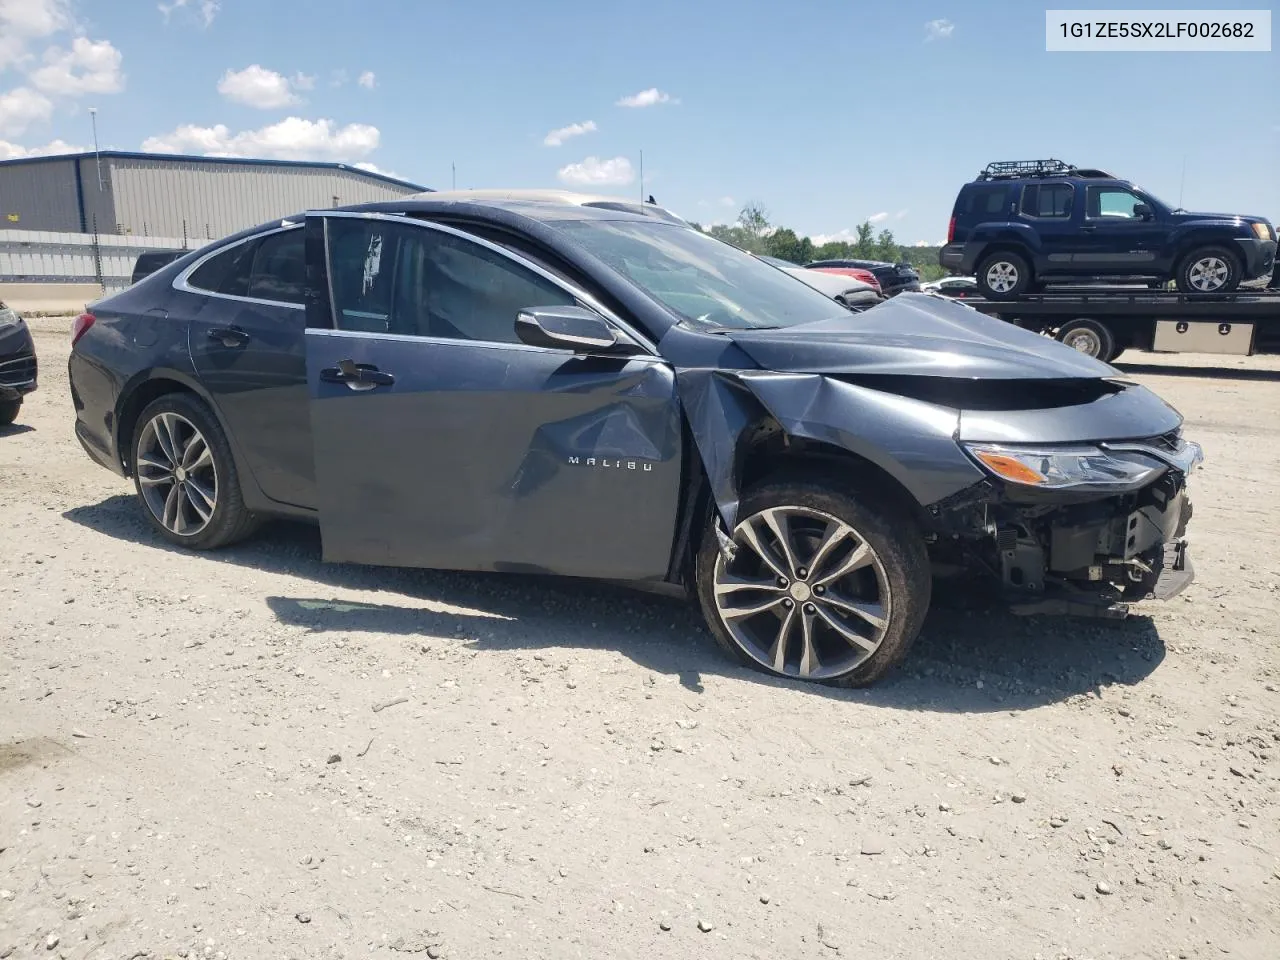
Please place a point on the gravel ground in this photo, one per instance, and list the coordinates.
(252, 754)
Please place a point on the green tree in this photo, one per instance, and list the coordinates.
(864, 248)
(753, 222)
(784, 244)
(887, 248)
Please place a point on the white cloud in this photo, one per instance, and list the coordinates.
(304, 81)
(878, 217)
(646, 98)
(374, 168)
(938, 29)
(203, 11)
(20, 108)
(291, 139)
(14, 151)
(559, 135)
(88, 67)
(900, 214)
(929, 243)
(256, 86)
(22, 21)
(594, 172)
(338, 77)
(840, 236)
(728, 202)
(368, 80)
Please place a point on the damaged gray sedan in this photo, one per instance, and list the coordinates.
(595, 389)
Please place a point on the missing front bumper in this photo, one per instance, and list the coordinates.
(1176, 572)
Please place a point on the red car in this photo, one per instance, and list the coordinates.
(866, 276)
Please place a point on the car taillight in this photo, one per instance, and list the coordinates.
(951, 230)
(81, 326)
(866, 276)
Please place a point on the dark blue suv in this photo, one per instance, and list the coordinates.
(1022, 224)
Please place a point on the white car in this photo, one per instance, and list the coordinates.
(845, 290)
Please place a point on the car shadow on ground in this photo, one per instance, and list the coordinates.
(966, 660)
(13, 429)
(1200, 373)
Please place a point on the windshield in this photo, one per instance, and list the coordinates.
(775, 262)
(707, 283)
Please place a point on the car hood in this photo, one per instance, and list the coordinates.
(916, 334)
(1186, 216)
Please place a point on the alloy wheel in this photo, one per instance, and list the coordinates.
(177, 474)
(805, 594)
(1002, 276)
(1208, 274)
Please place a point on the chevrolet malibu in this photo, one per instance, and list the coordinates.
(596, 390)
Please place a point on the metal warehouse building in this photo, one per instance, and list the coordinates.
(164, 195)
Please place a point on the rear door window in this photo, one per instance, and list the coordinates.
(1047, 200)
(278, 269)
(226, 272)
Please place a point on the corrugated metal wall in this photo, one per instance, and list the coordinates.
(216, 199)
(38, 256)
(39, 196)
(146, 197)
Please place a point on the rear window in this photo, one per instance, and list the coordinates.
(980, 200)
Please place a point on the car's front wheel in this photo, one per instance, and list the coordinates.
(9, 411)
(185, 475)
(1004, 275)
(820, 586)
(1209, 270)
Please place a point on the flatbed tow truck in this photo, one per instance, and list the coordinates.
(1104, 321)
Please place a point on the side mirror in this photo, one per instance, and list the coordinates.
(1143, 211)
(565, 328)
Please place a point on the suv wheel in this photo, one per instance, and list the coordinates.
(1089, 337)
(9, 411)
(820, 587)
(185, 475)
(1209, 270)
(1003, 276)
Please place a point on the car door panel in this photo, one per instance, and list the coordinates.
(495, 457)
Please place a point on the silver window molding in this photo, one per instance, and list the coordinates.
(182, 281)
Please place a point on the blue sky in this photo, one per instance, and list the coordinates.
(826, 112)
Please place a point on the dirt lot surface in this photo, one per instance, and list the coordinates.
(193, 762)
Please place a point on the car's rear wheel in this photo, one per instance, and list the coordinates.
(820, 586)
(185, 475)
(9, 411)
(1209, 270)
(1004, 275)
(1089, 337)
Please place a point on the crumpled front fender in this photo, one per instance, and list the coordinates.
(913, 441)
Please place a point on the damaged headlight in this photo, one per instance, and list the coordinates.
(1063, 468)
(8, 317)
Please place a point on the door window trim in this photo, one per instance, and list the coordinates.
(566, 286)
(181, 281)
(1114, 189)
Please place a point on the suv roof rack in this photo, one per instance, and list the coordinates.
(1027, 169)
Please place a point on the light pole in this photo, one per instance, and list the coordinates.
(97, 157)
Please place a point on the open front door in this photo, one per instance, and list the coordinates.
(441, 441)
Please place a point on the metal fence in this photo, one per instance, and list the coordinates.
(36, 256)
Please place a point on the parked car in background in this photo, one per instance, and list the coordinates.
(850, 291)
(960, 288)
(1022, 224)
(892, 278)
(855, 273)
(561, 388)
(17, 364)
(152, 260)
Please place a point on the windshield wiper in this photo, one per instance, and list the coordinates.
(736, 329)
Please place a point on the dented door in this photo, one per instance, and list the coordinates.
(438, 451)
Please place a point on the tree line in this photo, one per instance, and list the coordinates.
(754, 232)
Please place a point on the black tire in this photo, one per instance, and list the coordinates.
(1079, 334)
(1190, 264)
(9, 411)
(891, 534)
(1014, 265)
(229, 520)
